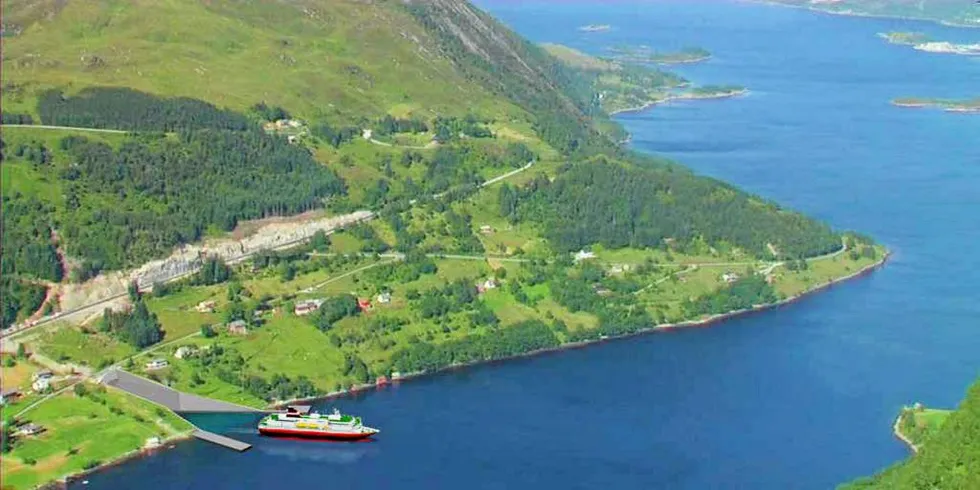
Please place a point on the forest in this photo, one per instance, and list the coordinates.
(620, 206)
(511, 341)
(746, 292)
(134, 203)
(131, 110)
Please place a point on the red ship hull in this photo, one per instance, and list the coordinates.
(314, 434)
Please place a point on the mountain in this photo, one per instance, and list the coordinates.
(961, 12)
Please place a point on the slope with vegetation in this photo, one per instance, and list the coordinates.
(948, 457)
(224, 112)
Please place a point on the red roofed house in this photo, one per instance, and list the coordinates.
(364, 304)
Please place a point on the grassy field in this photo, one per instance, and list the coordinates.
(123, 424)
(87, 348)
(919, 423)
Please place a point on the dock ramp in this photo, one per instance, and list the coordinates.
(221, 440)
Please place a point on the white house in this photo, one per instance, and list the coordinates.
(384, 297)
(41, 384)
(185, 352)
(583, 255)
(729, 277)
(156, 364)
(205, 307)
(30, 429)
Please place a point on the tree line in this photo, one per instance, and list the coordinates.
(128, 109)
(627, 206)
(127, 205)
(503, 342)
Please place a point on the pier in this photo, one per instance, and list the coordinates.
(221, 440)
(178, 402)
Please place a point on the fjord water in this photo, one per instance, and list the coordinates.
(800, 397)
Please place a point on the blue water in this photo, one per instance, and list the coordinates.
(801, 397)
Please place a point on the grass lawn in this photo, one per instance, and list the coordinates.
(91, 349)
(819, 271)
(920, 425)
(123, 423)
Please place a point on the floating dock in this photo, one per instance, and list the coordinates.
(221, 440)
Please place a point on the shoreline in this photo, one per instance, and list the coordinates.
(167, 443)
(665, 327)
(708, 321)
(684, 96)
(960, 108)
(865, 14)
(897, 431)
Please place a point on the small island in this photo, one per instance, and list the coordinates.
(644, 54)
(922, 42)
(971, 106)
(595, 28)
(904, 38)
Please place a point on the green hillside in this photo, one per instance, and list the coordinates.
(949, 458)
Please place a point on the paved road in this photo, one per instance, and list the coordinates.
(166, 396)
(41, 126)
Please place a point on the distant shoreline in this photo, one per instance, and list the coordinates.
(864, 14)
(959, 107)
(684, 96)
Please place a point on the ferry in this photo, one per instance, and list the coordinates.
(302, 421)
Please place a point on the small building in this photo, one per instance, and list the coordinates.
(238, 327)
(153, 443)
(291, 139)
(307, 306)
(584, 255)
(156, 364)
(601, 290)
(7, 396)
(381, 381)
(205, 307)
(396, 375)
(384, 298)
(490, 284)
(30, 430)
(486, 229)
(44, 373)
(41, 384)
(364, 304)
(184, 352)
(729, 277)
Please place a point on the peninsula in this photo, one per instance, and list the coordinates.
(623, 86)
(644, 54)
(970, 106)
(950, 12)
(904, 38)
